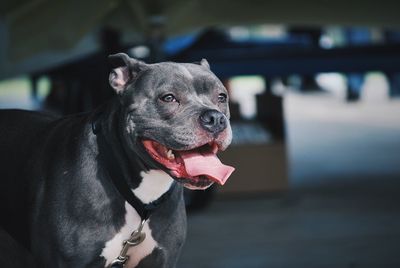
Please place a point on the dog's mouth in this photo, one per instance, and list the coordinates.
(197, 168)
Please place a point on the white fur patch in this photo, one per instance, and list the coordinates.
(136, 254)
(154, 184)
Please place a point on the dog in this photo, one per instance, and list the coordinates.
(104, 189)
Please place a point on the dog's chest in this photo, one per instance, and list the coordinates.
(113, 247)
(153, 185)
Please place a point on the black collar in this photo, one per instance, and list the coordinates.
(107, 155)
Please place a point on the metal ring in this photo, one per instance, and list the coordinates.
(139, 229)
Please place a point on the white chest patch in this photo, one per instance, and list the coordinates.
(154, 184)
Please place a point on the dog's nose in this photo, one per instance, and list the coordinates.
(213, 121)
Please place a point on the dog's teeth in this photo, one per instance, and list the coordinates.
(170, 155)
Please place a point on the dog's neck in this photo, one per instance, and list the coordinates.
(147, 184)
(107, 122)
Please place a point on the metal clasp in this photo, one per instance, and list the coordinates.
(135, 239)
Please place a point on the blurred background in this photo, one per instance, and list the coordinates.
(315, 103)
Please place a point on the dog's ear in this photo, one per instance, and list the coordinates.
(205, 63)
(125, 70)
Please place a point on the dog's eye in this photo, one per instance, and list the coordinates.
(168, 98)
(222, 98)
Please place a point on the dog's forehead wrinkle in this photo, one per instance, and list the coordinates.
(158, 80)
(179, 78)
(207, 84)
(176, 87)
(167, 81)
(183, 69)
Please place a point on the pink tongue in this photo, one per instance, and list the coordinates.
(207, 164)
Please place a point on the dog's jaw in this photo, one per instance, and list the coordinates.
(196, 168)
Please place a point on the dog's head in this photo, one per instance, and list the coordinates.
(178, 113)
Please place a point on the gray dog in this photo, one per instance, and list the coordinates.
(104, 189)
